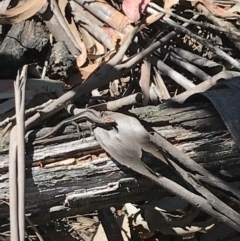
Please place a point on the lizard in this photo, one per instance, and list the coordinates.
(90, 115)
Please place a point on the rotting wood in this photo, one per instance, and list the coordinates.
(85, 186)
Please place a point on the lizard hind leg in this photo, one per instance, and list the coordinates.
(80, 133)
(79, 130)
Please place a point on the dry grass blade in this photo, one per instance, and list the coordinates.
(20, 86)
(17, 172)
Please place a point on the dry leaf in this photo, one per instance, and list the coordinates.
(97, 48)
(22, 12)
(87, 38)
(144, 81)
(81, 59)
(115, 36)
(86, 71)
(83, 74)
(134, 9)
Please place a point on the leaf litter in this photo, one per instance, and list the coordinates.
(190, 53)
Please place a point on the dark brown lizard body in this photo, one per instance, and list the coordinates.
(86, 115)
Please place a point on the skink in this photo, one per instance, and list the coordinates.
(86, 115)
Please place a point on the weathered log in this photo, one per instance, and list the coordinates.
(23, 44)
(84, 185)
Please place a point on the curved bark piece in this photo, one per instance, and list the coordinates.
(22, 12)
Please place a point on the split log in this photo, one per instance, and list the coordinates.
(66, 175)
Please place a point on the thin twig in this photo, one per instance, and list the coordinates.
(197, 60)
(27, 112)
(164, 94)
(139, 57)
(173, 74)
(221, 23)
(206, 43)
(176, 59)
(204, 25)
(107, 73)
(204, 86)
(114, 105)
(100, 78)
(34, 229)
